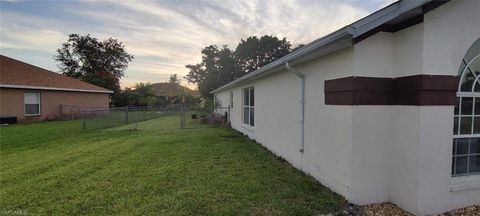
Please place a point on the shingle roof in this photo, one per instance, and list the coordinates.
(171, 89)
(18, 74)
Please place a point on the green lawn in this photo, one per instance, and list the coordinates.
(54, 168)
(120, 117)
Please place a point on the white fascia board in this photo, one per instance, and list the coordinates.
(53, 88)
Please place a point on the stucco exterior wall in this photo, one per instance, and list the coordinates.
(384, 166)
(277, 120)
(448, 31)
(378, 153)
(415, 171)
(12, 102)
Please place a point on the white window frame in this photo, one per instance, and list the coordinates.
(249, 107)
(39, 104)
(458, 135)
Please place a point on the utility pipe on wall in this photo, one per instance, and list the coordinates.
(302, 104)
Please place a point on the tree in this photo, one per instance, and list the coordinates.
(146, 96)
(197, 73)
(174, 79)
(217, 68)
(140, 95)
(144, 89)
(220, 66)
(101, 63)
(254, 52)
(126, 97)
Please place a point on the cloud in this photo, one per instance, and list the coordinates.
(33, 39)
(18, 31)
(166, 35)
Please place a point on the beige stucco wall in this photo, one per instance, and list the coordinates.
(12, 102)
(370, 154)
(385, 138)
(327, 155)
(448, 31)
(347, 148)
(403, 153)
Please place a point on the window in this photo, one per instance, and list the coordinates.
(466, 126)
(231, 100)
(248, 106)
(32, 103)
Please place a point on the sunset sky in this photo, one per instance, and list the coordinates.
(164, 36)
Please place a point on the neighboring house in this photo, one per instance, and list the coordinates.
(170, 92)
(390, 111)
(34, 94)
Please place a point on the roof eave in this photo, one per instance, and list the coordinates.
(54, 88)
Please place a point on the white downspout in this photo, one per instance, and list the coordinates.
(302, 105)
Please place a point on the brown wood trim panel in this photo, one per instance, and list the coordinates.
(419, 90)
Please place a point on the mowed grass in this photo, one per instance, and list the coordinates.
(54, 168)
(121, 118)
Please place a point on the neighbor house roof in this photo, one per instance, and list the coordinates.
(18, 74)
(172, 89)
(396, 16)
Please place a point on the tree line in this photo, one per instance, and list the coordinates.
(142, 94)
(103, 63)
(221, 65)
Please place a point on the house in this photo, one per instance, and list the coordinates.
(169, 92)
(384, 109)
(30, 93)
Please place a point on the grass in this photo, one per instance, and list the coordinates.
(54, 168)
(120, 117)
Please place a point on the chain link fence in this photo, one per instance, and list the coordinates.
(132, 118)
(94, 119)
(69, 112)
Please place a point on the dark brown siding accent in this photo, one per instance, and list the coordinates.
(419, 90)
(426, 90)
(358, 91)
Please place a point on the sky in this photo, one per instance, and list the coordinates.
(164, 36)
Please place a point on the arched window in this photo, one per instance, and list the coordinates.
(466, 129)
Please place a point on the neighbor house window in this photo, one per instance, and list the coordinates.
(231, 99)
(466, 127)
(248, 106)
(32, 103)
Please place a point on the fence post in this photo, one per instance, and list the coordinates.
(212, 115)
(71, 111)
(136, 120)
(126, 115)
(182, 117)
(83, 121)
